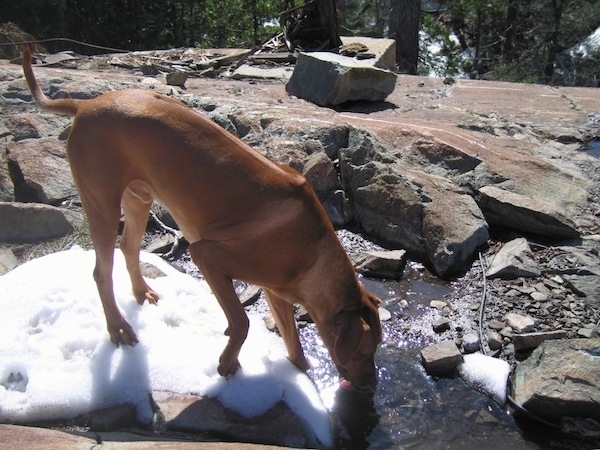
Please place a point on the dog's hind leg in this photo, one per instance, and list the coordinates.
(136, 203)
(284, 316)
(204, 254)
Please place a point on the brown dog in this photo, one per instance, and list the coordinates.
(246, 217)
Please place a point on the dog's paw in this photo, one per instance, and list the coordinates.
(123, 335)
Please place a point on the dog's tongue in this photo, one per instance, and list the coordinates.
(346, 385)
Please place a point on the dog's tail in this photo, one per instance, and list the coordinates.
(58, 106)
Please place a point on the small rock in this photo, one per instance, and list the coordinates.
(438, 304)
(539, 296)
(380, 264)
(8, 260)
(471, 343)
(441, 358)
(270, 322)
(250, 295)
(496, 324)
(177, 78)
(532, 340)
(384, 314)
(520, 323)
(587, 332)
(440, 325)
(515, 259)
(494, 340)
(403, 304)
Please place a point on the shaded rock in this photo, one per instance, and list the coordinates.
(514, 260)
(520, 323)
(328, 79)
(320, 172)
(559, 379)
(113, 418)
(8, 260)
(278, 426)
(421, 213)
(40, 171)
(532, 340)
(7, 188)
(30, 222)
(440, 325)
(442, 358)
(525, 213)
(494, 340)
(380, 264)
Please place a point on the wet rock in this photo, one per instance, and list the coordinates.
(31, 222)
(520, 323)
(560, 379)
(526, 341)
(328, 79)
(8, 260)
(384, 314)
(380, 264)
(515, 259)
(442, 358)
(471, 343)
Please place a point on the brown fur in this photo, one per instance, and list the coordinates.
(246, 217)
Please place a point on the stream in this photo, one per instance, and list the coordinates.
(411, 409)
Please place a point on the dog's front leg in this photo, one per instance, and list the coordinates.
(119, 330)
(204, 255)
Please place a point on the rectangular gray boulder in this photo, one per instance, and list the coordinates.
(328, 79)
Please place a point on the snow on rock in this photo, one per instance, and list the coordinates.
(488, 374)
(56, 360)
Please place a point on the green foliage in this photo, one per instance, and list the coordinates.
(146, 24)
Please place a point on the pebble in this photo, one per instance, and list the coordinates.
(520, 323)
(440, 325)
(494, 340)
(438, 304)
(496, 324)
(471, 343)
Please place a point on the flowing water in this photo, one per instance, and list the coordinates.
(412, 409)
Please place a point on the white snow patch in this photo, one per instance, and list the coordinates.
(486, 373)
(56, 360)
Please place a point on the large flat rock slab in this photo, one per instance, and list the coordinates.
(19, 437)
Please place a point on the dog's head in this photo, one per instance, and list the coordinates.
(357, 333)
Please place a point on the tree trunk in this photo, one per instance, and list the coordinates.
(404, 29)
(553, 44)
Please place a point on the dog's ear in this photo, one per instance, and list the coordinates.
(353, 334)
(370, 313)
